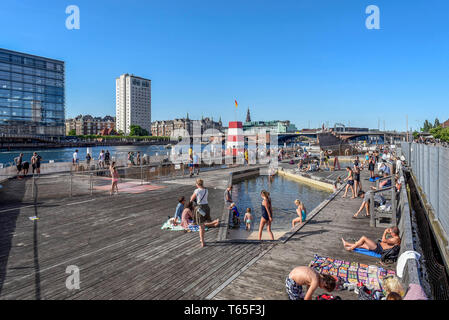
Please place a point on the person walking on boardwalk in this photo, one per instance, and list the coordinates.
(101, 161)
(301, 212)
(371, 167)
(114, 178)
(107, 157)
(267, 214)
(75, 159)
(18, 161)
(350, 180)
(196, 164)
(202, 211)
(357, 182)
(36, 163)
(307, 276)
(88, 158)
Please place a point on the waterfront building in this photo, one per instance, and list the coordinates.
(133, 103)
(445, 124)
(340, 127)
(32, 97)
(182, 127)
(88, 125)
(275, 126)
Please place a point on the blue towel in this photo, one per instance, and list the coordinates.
(367, 252)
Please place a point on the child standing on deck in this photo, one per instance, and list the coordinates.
(248, 218)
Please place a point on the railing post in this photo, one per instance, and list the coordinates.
(372, 222)
(393, 206)
(32, 187)
(90, 183)
(141, 174)
(71, 175)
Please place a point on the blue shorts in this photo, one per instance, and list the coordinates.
(294, 290)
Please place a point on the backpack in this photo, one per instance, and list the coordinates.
(391, 255)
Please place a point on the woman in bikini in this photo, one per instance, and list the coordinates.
(114, 177)
(350, 180)
(267, 214)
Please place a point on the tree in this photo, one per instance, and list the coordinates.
(72, 132)
(427, 126)
(436, 123)
(136, 130)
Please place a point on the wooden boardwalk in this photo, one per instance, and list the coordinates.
(118, 246)
(265, 279)
(121, 252)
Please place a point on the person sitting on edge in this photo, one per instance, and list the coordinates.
(179, 209)
(187, 216)
(300, 276)
(248, 218)
(337, 184)
(386, 243)
(235, 215)
(300, 211)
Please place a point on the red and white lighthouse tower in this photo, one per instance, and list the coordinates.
(235, 143)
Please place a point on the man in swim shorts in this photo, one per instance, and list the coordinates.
(300, 276)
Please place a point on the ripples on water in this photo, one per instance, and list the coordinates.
(283, 193)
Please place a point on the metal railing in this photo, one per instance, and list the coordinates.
(37, 187)
(430, 166)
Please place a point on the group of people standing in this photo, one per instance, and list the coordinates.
(24, 166)
(197, 211)
(104, 159)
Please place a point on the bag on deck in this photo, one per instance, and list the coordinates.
(366, 294)
(391, 255)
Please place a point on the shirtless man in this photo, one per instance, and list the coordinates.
(386, 243)
(307, 276)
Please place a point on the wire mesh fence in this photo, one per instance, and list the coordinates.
(430, 165)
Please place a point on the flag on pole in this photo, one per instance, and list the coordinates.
(236, 104)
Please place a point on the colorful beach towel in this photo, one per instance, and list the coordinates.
(168, 225)
(351, 272)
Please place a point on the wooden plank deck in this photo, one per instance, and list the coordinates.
(117, 244)
(122, 253)
(265, 279)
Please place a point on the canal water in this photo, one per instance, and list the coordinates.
(66, 154)
(283, 193)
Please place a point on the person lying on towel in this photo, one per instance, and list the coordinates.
(390, 238)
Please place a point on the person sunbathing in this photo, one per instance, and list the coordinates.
(390, 238)
(383, 184)
(378, 200)
(300, 276)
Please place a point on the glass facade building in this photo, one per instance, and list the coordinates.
(32, 97)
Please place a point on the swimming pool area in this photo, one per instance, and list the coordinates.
(283, 191)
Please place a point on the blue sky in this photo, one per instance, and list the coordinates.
(297, 60)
